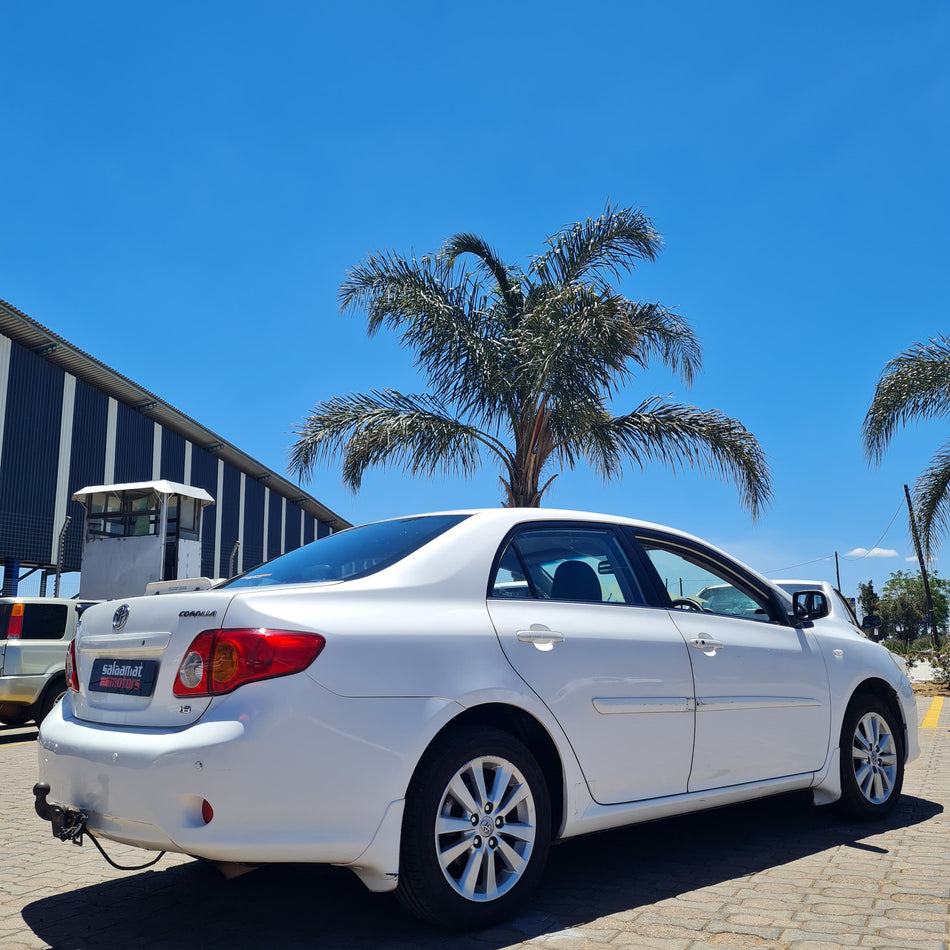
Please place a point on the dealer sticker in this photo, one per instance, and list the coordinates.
(129, 677)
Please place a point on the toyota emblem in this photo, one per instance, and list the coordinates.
(120, 616)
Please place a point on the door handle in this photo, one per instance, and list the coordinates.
(542, 638)
(706, 644)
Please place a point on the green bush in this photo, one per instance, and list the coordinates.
(900, 647)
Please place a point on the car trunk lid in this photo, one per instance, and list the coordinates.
(128, 655)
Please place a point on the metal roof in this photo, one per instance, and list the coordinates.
(44, 343)
(161, 486)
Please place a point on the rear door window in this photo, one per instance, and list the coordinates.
(576, 562)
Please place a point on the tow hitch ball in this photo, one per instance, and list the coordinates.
(69, 824)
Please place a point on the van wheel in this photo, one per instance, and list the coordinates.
(10, 715)
(53, 694)
(476, 830)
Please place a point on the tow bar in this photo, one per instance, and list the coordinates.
(69, 824)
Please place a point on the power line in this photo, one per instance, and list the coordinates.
(828, 557)
(881, 538)
(781, 570)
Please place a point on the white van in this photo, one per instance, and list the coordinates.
(34, 636)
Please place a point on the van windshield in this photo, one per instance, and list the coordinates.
(356, 552)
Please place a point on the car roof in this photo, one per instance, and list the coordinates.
(804, 583)
(515, 516)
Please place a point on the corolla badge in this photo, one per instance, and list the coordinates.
(120, 616)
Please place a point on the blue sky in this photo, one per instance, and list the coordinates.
(184, 187)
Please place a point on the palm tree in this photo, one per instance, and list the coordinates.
(914, 387)
(522, 364)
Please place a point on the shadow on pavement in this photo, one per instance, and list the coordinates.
(191, 906)
(12, 734)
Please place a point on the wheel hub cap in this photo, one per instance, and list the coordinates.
(485, 828)
(874, 757)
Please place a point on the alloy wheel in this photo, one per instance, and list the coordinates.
(874, 756)
(485, 828)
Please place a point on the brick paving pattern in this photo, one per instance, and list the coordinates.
(776, 875)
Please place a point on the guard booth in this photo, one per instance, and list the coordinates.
(139, 533)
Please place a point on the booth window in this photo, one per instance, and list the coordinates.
(183, 518)
(129, 515)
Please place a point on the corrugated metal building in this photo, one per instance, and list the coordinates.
(67, 421)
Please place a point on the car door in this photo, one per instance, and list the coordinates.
(762, 694)
(573, 622)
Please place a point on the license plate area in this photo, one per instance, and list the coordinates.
(125, 677)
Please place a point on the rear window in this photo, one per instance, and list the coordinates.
(349, 554)
(40, 621)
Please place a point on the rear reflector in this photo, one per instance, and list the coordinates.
(207, 812)
(219, 661)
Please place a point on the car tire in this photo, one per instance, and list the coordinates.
(872, 759)
(53, 693)
(476, 830)
(11, 716)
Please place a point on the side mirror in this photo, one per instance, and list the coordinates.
(810, 605)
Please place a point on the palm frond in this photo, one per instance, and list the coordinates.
(396, 291)
(415, 432)
(915, 386)
(468, 243)
(614, 242)
(682, 436)
(655, 332)
(932, 500)
(578, 344)
(446, 318)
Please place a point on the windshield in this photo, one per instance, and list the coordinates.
(800, 585)
(349, 554)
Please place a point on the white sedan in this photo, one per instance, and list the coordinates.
(838, 607)
(431, 701)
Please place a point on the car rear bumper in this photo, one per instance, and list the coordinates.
(306, 792)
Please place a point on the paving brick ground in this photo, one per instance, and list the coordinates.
(778, 875)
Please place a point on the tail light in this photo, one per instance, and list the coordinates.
(15, 625)
(72, 677)
(219, 661)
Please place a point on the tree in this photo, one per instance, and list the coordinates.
(522, 364)
(914, 387)
(868, 599)
(903, 605)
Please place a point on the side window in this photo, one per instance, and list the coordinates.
(510, 579)
(694, 583)
(44, 621)
(567, 563)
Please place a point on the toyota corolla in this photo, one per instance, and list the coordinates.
(432, 701)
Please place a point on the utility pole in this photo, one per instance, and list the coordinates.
(934, 636)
